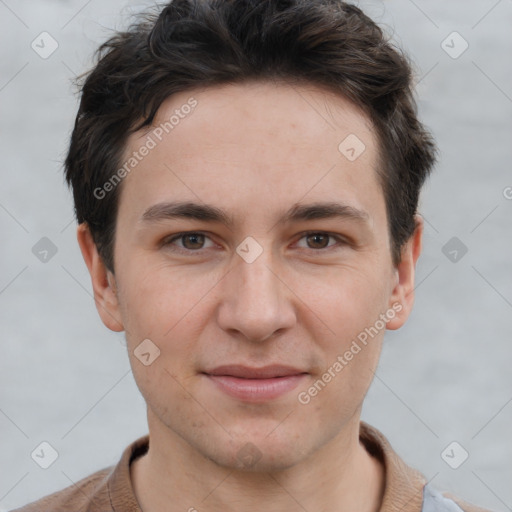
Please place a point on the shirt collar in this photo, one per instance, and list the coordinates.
(403, 490)
(120, 488)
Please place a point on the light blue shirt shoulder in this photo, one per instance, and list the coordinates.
(434, 501)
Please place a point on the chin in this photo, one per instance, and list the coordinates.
(258, 452)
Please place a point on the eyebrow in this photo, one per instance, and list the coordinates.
(210, 213)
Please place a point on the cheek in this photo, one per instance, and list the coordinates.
(169, 307)
(350, 308)
(348, 302)
(157, 301)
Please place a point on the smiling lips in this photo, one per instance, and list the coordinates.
(255, 384)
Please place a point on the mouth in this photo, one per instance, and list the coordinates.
(255, 384)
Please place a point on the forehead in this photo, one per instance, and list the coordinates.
(301, 113)
(235, 144)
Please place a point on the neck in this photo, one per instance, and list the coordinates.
(341, 475)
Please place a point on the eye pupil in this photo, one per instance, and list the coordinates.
(193, 236)
(317, 236)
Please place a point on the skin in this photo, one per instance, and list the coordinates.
(254, 150)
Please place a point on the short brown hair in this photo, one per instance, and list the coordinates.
(201, 43)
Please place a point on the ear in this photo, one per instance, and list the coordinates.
(103, 281)
(402, 297)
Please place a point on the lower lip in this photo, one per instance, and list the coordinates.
(256, 390)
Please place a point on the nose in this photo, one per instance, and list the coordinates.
(255, 301)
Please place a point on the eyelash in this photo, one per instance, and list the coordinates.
(167, 242)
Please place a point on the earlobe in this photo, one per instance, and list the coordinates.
(103, 281)
(402, 297)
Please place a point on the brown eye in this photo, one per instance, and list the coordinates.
(187, 242)
(321, 241)
(196, 241)
(318, 240)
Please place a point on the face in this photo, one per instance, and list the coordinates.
(278, 272)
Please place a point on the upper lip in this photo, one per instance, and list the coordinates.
(247, 372)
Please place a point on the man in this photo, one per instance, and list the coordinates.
(246, 177)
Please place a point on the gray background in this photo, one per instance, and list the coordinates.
(445, 376)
